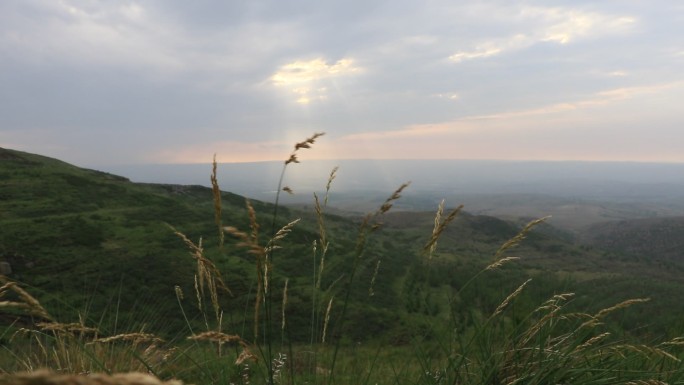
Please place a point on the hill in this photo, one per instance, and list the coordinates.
(96, 242)
(98, 245)
(655, 239)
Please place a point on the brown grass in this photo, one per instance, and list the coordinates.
(510, 298)
(216, 194)
(44, 377)
(26, 301)
(305, 144)
(209, 276)
(439, 228)
(327, 319)
(134, 338)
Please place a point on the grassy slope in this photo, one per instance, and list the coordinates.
(93, 241)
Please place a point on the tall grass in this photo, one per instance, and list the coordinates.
(553, 344)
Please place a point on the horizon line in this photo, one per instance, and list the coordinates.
(492, 160)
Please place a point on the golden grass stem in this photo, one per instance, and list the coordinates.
(510, 298)
(284, 306)
(439, 228)
(327, 319)
(216, 193)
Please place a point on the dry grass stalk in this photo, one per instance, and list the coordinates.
(246, 355)
(510, 297)
(245, 241)
(552, 307)
(135, 338)
(387, 205)
(305, 144)
(375, 274)
(6, 287)
(218, 337)
(282, 326)
(70, 328)
(44, 377)
(327, 319)
(594, 320)
(515, 241)
(216, 193)
(29, 303)
(438, 221)
(332, 176)
(440, 226)
(317, 274)
(592, 341)
(677, 341)
(208, 275)
(25, 332)
(18, 305)
(198, 295)
(322, 234)
(619, 306)
(645, 350)
(179, 292)
(251, 242)
(319, 219)
(369, 225)
(207, 270)
(500, 262)
(261, 265)
(280, 235)
(253, 222)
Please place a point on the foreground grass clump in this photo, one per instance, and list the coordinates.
(255, 336)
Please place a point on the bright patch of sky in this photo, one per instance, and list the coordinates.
(304, 77)
(98, 83)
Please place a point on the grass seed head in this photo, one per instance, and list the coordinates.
(510, 297)
(219, 337)
(135, 338)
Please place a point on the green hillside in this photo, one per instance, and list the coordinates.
(656, 239)
(95, 244)
(125, 292)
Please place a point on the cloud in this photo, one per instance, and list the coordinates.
(564, 25)
(409, 132)
(81, 34)
(539, 25)
(448, 95)
(138, 76)
(303, 77)
(144, 38)
(469, 123)
(476, 54)
(601, 98)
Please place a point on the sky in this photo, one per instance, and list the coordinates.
(100, 83)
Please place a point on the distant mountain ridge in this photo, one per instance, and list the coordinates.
(569, 178)
(576, 194)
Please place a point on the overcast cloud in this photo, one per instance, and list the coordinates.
(116, 82)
